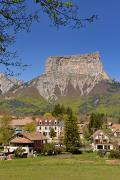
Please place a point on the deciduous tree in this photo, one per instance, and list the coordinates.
(5, 131)
(30, 127)
(15, 16)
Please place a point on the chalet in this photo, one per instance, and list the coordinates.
(44, 126)
(116, 130)
(30, 142)
(101, 141)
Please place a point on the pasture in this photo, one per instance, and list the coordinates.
(63, 167)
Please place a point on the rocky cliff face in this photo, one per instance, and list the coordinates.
(66, 74)
(7, 83)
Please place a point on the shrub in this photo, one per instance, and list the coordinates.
(114, 154)
(51, 149)
(101, 153)
(75, 150)
(19, 153)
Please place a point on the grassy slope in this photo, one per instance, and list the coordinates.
(104, 99)
(108, 104)
(24, 105)
(81, 167)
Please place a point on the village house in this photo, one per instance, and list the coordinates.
(18, 124)
(44, 126)
(30, 142)
(101, 141)
(116, 130)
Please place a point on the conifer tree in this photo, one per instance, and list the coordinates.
(71, 133)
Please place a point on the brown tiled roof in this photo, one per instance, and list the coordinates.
(27, 137)
(47, 121)
(21, 140)
(34, 136)
(48, 118)
(116, 126)
(20, 122)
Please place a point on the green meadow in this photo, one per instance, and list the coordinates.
(64, 167)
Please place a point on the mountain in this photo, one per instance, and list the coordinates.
(69, 74)
(7, 83)
(78, 81)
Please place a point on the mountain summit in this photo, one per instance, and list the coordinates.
(66, 74)
(78, 81)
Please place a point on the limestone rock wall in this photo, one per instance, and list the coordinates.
(79, 73)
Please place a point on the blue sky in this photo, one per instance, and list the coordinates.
(103, 36)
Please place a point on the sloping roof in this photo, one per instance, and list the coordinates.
(27, 137)
(116, 126)
(97, 133)
(47, 121)
(21, 140)
(34, 136)
(21, 122)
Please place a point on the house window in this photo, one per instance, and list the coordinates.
(45, 127)
(40, 122)
(45, 133)
(99, 147)
(55, 127)
(40, 127)
(55, 122)
(105, 147)
(104, 141)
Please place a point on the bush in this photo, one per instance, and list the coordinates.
(75, 150)
(59, 150)
(51, 149)
(19, 153)
(114, 154)
(101, 153)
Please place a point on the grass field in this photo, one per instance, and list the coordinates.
(81, 167)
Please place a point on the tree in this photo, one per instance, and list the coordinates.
(96, 122)
(14, 17)
(57, 111)
(5, 131)
(69, 111)
(119, 120)
(19, 152)
(52, 133)
(30, 127)
(48, 115)
(71, 134)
